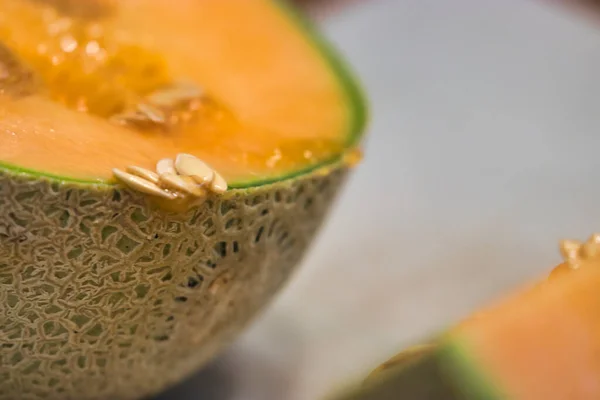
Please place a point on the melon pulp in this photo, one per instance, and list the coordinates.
(102, 294)
(277, 106)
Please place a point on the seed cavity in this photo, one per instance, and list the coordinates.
(576, 253)
(153, 113)
(186, 177)
(164, 108)
(88, 9)
(144, 116)
(175, 96)
(16, 78)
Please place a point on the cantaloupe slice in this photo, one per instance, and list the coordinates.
(543, 342)
(274, 100)
(540, 343)
(114, 289)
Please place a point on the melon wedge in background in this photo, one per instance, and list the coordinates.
(542, 342)
(163, 167)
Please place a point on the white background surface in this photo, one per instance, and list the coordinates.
(483, 152)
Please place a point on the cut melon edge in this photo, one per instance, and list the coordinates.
(349, 86)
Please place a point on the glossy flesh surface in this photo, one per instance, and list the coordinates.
(541, 343)
(272, 103)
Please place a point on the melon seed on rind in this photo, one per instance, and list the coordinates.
(141, 185)
(165, 166)
(189, 165)
(144, 173)
(218, 184)
(181, 184)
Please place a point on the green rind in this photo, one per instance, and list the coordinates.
(247, 186)
(15, 169)
(468, 376)
(349, 82)
(353, 92)
(444, 370)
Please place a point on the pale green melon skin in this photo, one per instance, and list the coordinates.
(104, 298)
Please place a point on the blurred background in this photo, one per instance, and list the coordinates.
(482, 154)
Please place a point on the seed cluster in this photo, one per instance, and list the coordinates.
(575, 252)
(164, 108)
(183, 177)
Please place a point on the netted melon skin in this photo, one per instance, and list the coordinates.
(104, 298)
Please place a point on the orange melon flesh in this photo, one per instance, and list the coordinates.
(541, 343)
(276, 104)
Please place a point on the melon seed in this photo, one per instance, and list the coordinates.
(179, 183)
(218, 184)
(143, 173)
(171, 97)
(165, 166)
(135, 118)
(142, 185)
(591, 248)
(189, 165)
(152, 113)
(571, 252)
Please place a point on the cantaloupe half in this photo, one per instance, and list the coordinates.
(542, 342)
(108, 292)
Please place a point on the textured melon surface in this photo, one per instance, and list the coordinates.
(103, 298)
(103, 295)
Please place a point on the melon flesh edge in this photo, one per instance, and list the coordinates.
(296, 104)
(542, 342)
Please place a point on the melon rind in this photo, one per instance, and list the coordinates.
(103, 297)
(468, 376)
